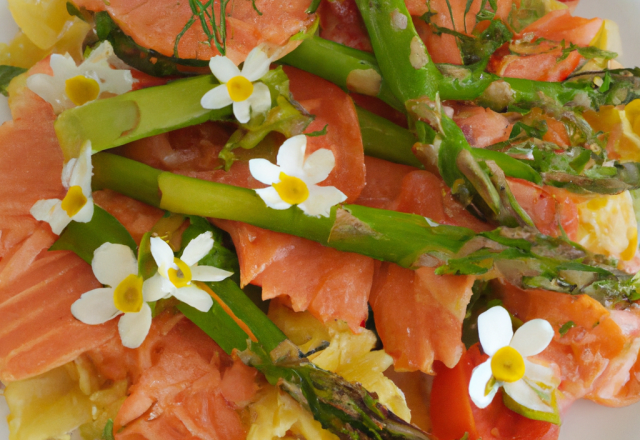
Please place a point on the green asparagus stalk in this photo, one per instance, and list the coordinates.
(116, 121)
(472, 83)
(239, 326)
(526, 258)
(349, 68)
(402, 56)
(414, 79)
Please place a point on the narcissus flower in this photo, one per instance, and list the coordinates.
(72, 85)
(77, 205)
(293, 181)
(529, 384)
(240, 87)
(115, 266)
(177, 276)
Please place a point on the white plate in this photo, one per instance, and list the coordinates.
(585, 420)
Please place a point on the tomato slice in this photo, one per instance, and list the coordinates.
(453, 413)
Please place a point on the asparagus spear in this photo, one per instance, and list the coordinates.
(526, 258)
(122, 119)
(239, 326)
(472, 83)
(414, 79)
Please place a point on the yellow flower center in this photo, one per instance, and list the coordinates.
(240, 88)
(507, 365)
(127, 297)
(73, 201)
(81, 89)
(180, 277)
(291, 189)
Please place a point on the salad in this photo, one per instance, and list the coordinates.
(316, 219)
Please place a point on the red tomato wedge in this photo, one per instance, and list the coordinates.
(340, 21)
(454, 414)
(156, 25)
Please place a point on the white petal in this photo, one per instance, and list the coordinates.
(51, 90)
(86, 212)
(272, 199)
(318, 165)
(162, 254)
(197, 248)
(63, 66)
(264, 171)
(195, 297)
(260, 99)
(540, 374)
(112, 263)
(51, 212)
(209, 273)
(242, 111)
(321, 199)
(223, 68)
(256, 65)
(526, 396)
(67, 171)
(478, 384)
(495, 329)
(83, 170)
(168, 287)
(533, 337)
(42, 210)
(154, 288)
(291, 155)
(134, 327)
(216, 98)
(95, 307)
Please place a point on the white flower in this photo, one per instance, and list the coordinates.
(176, 276)
(524, 381)
(293, 181)
(73, 85)
(77, 205)
(240, 88)
(115, 266)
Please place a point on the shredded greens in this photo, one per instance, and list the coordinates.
(215, 28)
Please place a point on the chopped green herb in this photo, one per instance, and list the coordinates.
(566, 327)
(215, 29)
(319, 132)
(74, 11)
(107, 433)
(7, 73)
(255, 8)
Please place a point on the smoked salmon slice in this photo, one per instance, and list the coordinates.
(598, 356)
(419, 314)
(156, 24)
(182, 384)
(37, 287)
